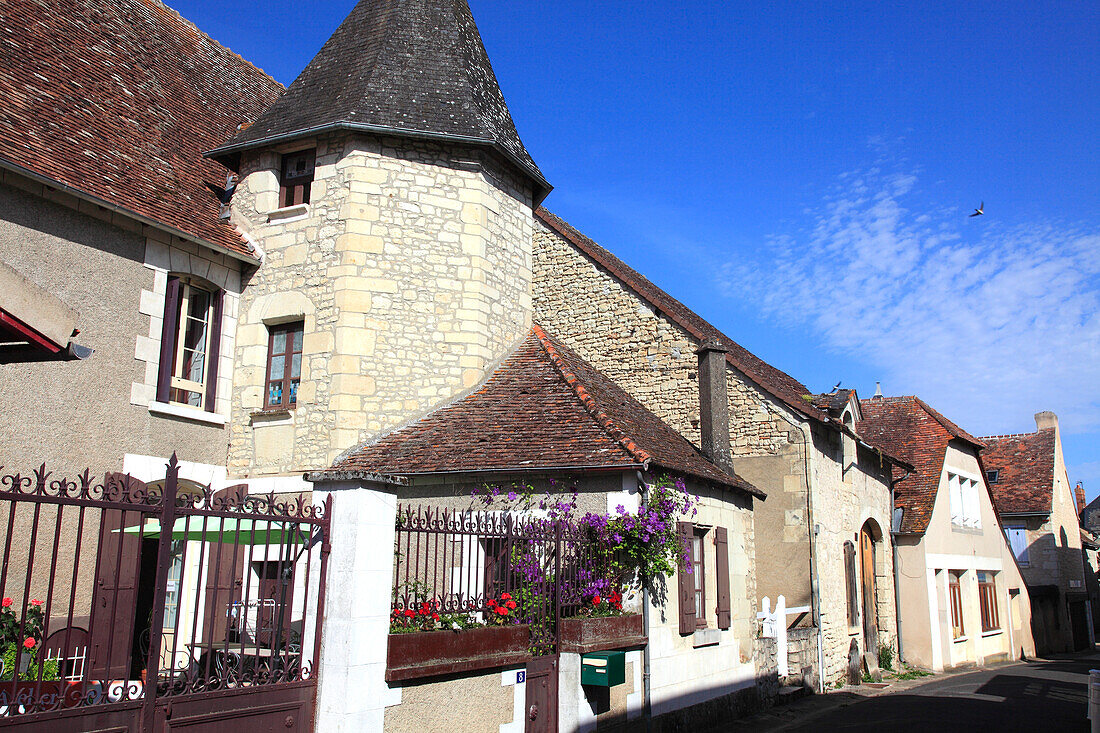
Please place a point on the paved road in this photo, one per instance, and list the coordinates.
(1034, 697)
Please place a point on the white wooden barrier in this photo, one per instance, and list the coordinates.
(775, 627)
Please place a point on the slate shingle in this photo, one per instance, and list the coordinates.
(404, 66)
(119, 100)
(543, 408)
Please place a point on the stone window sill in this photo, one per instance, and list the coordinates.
(992, 632)
(289, 213)
(960, 639)
(187, 413)
(271, 415)
(705, 637)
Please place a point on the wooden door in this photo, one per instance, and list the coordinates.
(870, 613)
(542, 695)
(114, 596)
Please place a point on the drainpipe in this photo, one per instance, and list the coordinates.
(647, 705)
(894, 553)
(815, 578)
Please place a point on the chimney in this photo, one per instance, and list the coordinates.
(878, 391)
(1044, 420)
(1079, 492)
(714, 413)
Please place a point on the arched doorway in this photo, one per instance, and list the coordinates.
(869, 536)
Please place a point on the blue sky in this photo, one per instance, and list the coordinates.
(801, 174)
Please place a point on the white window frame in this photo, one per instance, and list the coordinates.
(187, 285)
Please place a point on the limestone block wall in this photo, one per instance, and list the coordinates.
(410, 268)
(644, 351)
(842, 505)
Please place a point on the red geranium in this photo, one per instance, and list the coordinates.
(36, 602)
(595, 600)
(5, 603)
(410, 613)
(505, 596)
(492, 603)
(29, 643)
(510, 604)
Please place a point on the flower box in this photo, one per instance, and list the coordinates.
(431, 653)
(584, 634)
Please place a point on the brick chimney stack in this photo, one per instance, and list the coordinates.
(714, 414)
(1079, 493)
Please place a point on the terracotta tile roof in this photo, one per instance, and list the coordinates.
(909, 428)
(119, 100)
(406, 67)
(543, 408)
(773, 381)
(1025, 470)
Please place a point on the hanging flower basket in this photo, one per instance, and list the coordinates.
(426, 654)
(584, 634)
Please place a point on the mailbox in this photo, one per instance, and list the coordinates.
(603, 669)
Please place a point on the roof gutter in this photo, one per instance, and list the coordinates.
(229, 154)
(8, 165)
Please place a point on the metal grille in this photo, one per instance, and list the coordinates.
(123, 596)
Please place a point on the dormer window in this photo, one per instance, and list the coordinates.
(992, 476)
(296, 178)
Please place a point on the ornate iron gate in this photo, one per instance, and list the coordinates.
(137, 607)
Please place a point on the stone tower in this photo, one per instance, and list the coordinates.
(392, 200)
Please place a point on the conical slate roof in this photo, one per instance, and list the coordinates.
(408, 67)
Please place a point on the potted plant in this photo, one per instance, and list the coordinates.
(601, 624)
(424, 642)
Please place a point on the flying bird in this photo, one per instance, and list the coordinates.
(980, 210)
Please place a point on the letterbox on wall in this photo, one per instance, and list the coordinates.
(603, 669)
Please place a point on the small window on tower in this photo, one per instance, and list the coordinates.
(296, 179)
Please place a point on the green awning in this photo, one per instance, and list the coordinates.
(225, 530)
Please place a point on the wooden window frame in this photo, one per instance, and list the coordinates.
(288, 353)
(954, 595)
(174, 327)
(295, 189)
(987, 601)
(699, 575)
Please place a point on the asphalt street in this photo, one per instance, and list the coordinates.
(1042, 695)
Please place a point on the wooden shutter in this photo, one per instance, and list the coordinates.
(722, 570)
(223, 574)
(114, 596)
(168, 332)
(213, 349)
(687, 585)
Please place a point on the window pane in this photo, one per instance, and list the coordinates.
(294, 392)
(278, 342)
(277, 365)
(193, 365)
(296, 366)
(275, 393)
(298, 338)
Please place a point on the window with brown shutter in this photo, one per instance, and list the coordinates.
(686, 581)
(987, 598)
(296, 178)
(722, 575)
(850, 583)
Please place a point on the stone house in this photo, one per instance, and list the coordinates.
(802, 451)
(962, 599)
(1027, 474)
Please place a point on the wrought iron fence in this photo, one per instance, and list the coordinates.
(119, 594)
(461, 568)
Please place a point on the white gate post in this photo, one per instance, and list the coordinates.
(352, 694)
(781, 636)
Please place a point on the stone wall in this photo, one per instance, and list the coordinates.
(410, 268)
(645, 352)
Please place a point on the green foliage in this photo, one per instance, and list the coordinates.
(10, 624)
(912, 674)
(49, 669)
(886, 657)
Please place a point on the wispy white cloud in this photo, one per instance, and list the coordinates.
(990, 322)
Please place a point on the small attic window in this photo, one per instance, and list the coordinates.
(992, 476)
(296, 178)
